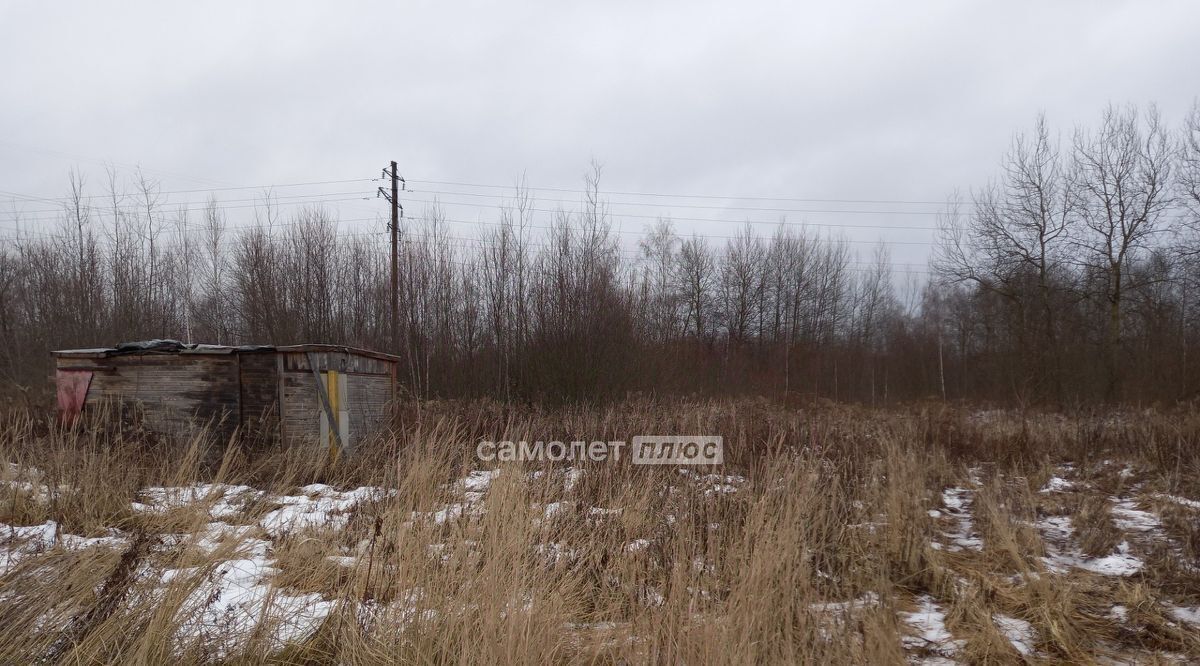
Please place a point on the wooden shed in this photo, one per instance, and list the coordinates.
(292, 394)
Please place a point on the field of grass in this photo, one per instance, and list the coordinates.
(830, 535)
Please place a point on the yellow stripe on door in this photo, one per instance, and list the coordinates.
(331, 390)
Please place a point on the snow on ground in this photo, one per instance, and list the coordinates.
(1061, 556)
(554, 553)
(28, 481)
(226, 500)
(1129, 518)
(213, 535)
(1057, 484)
(1056, 529)
(1182, 501)
(479, 480)
(1120, 563)
(571, 478)
(555, 508)
(318, 506)
(714, 483)
(1018, 632)
(238, 595)
(637, 545)
(1138, 525)
(928, 624)
(957, 503)
(17, 543)
(1189, 615)
(235, 595)
(229, 598)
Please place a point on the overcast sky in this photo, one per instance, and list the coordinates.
(847, 100)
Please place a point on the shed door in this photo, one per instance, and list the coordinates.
(335, 388)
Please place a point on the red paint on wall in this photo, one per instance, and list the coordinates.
(72, 392)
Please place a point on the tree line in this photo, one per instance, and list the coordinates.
(1070, 279)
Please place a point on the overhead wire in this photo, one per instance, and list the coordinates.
(681, 196)
(696, 219)
(609, 202)
(505, 203)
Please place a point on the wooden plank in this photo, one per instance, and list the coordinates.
(283, 432)
(329, 413)
(174, 393)
(259, 389)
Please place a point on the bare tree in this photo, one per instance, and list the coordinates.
(696, 276)
(213, 273)
(1014, 244)
(1123, 174)
(1189, 180)
(659, 253)
(742, 283)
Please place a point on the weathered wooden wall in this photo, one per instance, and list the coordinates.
(369, 386)
(370, 403)
(259, 385)
(269, 394)
(176, 392)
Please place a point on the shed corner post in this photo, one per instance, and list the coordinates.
(395, 396)
(279, 401)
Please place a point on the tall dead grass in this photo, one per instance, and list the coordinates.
(811, 559)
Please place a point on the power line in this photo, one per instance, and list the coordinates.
(436, 202)
(541, 189)
(633, 232)
(198, 207)
(93, 160)
(108, 196)
(202, 205)
(608, 202)
(686, 196)
(412, 237)
(323, 197)
(191, 227)
(628, 253)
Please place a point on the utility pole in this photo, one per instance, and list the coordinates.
(394, 227)
(395, 259)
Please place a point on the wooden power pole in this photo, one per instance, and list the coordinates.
(397, 213)
(395, 260)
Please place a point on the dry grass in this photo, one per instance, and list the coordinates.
(846, 536)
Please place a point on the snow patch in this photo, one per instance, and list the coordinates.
(928, 623)
(957, 502)
(571, 478)
(479, 480)
(637, 545)
(1185, 614)
(1120, 563)
(1057, 485)
(21, 542)
(1129, 518)
(1018, 632)
(1182, 501)
(1056, 533)
(555, 508)
(236, 598)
